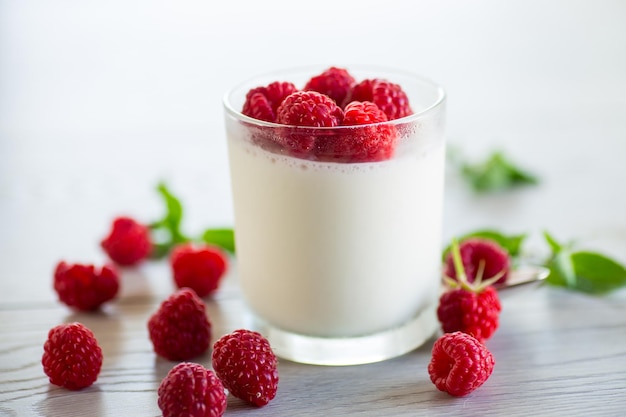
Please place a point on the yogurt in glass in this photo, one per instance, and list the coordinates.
(339, 263)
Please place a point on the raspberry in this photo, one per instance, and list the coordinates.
(362, 144)
(245, 363)
(200, 268)
(84, 287)
(71, 357)
(128, 242)
(334, 82)
(180, 328)
(469, 312)
(470, 307)
(482, 259)
(305, 109)
(262, 102)
(459, 364)
(389, 97)
(309, 108)
(191, 390)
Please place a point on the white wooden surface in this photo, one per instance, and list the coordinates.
(100, 100)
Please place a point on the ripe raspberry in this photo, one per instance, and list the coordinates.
(128, 242)
(180, 329)
(470, 307)
(262, 102)
(191, 390)
(71, 357)
(361, 144)
(459, 364)
(389, 97)
(470, 312)
(200, 268)
(334, 82)
(305, 109)
(84, 287)
(245, 363)
(482, 258)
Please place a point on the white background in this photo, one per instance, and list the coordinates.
(99, 100)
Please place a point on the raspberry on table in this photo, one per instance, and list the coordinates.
(361, 144)
(191, 390)
(389, 97)
(85, 287)
(471, 307)
(459, 364)
(72, 357)
(246, 365)
(199, 267)
(334, 82)
(128, 242)
(180, 329)
(262, 102)
(474, 313)
(482, 259)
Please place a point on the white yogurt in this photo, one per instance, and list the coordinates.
(337, 250)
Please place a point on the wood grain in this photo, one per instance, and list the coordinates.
(557, 353)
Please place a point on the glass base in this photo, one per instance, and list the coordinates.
(350, 350)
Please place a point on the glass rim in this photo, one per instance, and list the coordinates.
(437, 103)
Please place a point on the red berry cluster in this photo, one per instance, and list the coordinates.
(128, 243)
(331, 99)
(243, 363)
(468, 312)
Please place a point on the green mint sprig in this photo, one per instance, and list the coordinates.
(167, 231)
(584, 271)
(496, 173)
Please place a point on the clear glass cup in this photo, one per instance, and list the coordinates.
(339, 263)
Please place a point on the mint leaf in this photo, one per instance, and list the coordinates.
(224, 238)
(596, 273)
(512, 243)
(497, 173)
(583, 271)
(169, 225)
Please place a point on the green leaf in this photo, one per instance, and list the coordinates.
(497, 173)
(224, 238)
(584, 271)
(562, 272)
(596, 273)
(554, 245)
(166, 231)
(512, 243)
(174, 209)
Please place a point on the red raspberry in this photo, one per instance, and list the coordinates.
(180, 329)
(71, 357)
(200, 268)
(305, 109)
(459, 364)
(362, 144)
(389, 97)
(191, 390)
(470, 312)
(245, 363)
(128, 242)
(84, 287)
(262, 102)
(482, 259)
(309, 108)
(334, 82)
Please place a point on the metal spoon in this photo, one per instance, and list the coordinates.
(523, 275)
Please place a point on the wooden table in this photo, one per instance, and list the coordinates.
(96, 109)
